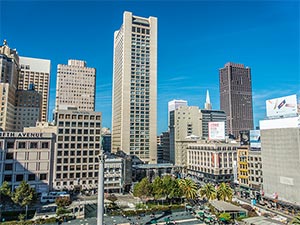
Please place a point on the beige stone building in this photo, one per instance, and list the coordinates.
(27, 156)
(212, 161)
(280, 144)
(255, 172)
(9, 65)
(34, 71)
(75, 86)
(134, 108)
(77, 148)
(185, 122)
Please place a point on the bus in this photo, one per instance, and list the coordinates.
(51, 197)
(48, 198)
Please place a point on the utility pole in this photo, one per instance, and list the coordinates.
(100, 208)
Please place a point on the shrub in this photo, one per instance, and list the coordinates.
(61, 211)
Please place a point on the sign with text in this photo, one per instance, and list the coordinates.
(216, 130)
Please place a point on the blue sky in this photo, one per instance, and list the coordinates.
(195, 39)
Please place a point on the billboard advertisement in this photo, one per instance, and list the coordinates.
(245, 137)
(216, 130)
(283, 106)
(255, 139)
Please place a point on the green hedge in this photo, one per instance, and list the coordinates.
(13, 215)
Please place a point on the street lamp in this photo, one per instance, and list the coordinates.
(100, 208)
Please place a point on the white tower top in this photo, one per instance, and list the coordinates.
(207, 104)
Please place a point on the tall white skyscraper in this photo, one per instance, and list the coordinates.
(75, 86)
(134, 106)
(36, 72)
(174, 104)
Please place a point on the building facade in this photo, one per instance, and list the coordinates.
(163, 147)
(185, 121)
(28, 109)
(255, 172)
(75, 86)
(212, 162)
(280, 144)
(9, 69)
(211, 116)
(236, 97)
(78, 146)
(34, 71)
(242, 162)
(135, 87)
(29, 157)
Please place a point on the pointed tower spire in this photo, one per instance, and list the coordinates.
(207, 102)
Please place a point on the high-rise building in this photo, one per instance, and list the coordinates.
(77, 148)
(236, 97)
(28, 109)
(280, 144)
(185, 122)
(209, 115)
(174, 104)
(9, 66)
(34, 71)
(134, 106)
(163, 147)
(75, 86)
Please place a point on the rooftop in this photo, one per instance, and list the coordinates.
(223, 206)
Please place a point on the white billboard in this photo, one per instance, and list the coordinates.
(216, 130)
(282, 106)
(255, 139)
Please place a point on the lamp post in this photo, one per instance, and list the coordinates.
(100, 208)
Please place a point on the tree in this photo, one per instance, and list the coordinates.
(24, 195)
(208, 191)
(167, 186)
(5, 190)
(157, 188)
(143, 189)
(5, 196)
(63, 201)
(189, 188)
(225, 217)
(176, 191)
(112, 198)
(296, 219)
(224, 192)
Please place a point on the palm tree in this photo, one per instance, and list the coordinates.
(209, 191)
(224, 192)
(188, 187)
(296, 219)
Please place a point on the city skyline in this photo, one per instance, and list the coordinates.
(192, 46)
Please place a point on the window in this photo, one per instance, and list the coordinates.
(8, 178)
(9, 155)
(22, 144)
(8, 166)
(10, 144)
(33, 144)
(31, 177)
(19, 177)
(45, 144)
